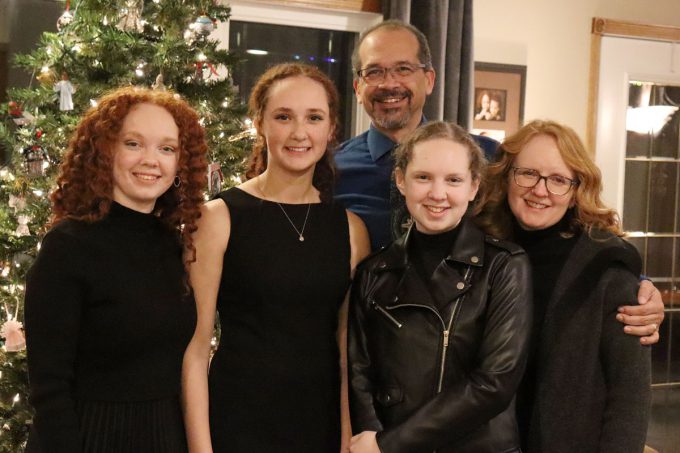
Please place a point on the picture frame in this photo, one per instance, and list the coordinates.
(498, 107)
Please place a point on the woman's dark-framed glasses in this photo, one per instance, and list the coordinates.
(556, 184)
(376, 75)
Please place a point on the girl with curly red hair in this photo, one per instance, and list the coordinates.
(108, 313)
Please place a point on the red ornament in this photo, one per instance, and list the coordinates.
(14, 109)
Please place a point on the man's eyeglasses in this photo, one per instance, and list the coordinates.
(529, 178)
(376, 75)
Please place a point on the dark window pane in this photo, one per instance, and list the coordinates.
(635, 199)
(665, 143)
(662, 197)
(673, 320)
(264, 45)
(659, 257)
(637, 144)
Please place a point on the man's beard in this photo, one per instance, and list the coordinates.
(391, 119)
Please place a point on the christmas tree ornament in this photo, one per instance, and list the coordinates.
(47, 77)
(19, 117)
(203, 25)
(22, 228)
(12, 332)
(215, 179)
(17, 203)
(66, 17)
(131, 16)
(36, 157)
(158, 84)
(65, 89)
(14, 109)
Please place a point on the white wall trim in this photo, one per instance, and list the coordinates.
(328, 19)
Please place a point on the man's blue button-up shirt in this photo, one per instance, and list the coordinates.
(365, 168)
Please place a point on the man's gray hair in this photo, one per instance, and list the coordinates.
(424, 54)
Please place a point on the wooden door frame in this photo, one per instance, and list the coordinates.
(608, 27)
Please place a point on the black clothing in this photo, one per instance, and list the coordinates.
(547, 250)
(275, 379)
(107, 321)
(426, 251)
(592, 380)
(398, 335)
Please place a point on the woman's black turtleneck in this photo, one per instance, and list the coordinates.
(548, 250)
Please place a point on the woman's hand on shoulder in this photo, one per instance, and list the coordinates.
(358, 239)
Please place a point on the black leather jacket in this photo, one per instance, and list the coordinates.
(443, 379)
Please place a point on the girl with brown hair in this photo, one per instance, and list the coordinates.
(274, 256)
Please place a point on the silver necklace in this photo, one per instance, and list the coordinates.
(301, 232)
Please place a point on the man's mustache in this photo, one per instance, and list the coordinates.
(383, 94)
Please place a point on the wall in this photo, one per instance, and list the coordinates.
(21, 24)
(552, 38)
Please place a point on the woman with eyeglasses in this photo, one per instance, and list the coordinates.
(587, 384)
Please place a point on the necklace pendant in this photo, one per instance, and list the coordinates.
(302, 238)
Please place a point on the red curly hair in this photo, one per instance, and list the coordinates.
(85, 182)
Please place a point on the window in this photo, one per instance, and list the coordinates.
(264, 45)
(651, 215)
(286, 31)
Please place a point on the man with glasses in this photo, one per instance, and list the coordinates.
(393, 77)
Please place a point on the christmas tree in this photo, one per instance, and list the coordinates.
(99, 45)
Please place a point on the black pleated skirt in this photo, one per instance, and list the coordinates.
(127, 427)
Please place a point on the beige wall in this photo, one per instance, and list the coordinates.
(552, 38)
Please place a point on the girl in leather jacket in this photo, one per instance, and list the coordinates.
(439, 320)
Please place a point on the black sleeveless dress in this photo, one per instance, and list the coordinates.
(274, 381)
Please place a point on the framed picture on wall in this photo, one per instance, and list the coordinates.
(498, 99)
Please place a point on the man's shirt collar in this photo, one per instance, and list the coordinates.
(380, 144)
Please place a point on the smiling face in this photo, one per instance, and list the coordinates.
(145, 157)
(485, 102)
(296, 124)
(437, 184)
(394, 105)
(494, 108)
(536, 208)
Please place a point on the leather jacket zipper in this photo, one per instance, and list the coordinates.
(384, 312)
(447, 332)
(445, 344)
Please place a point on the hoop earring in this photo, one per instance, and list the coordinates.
(177, 182)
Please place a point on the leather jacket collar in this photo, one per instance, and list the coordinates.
(468, 248)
